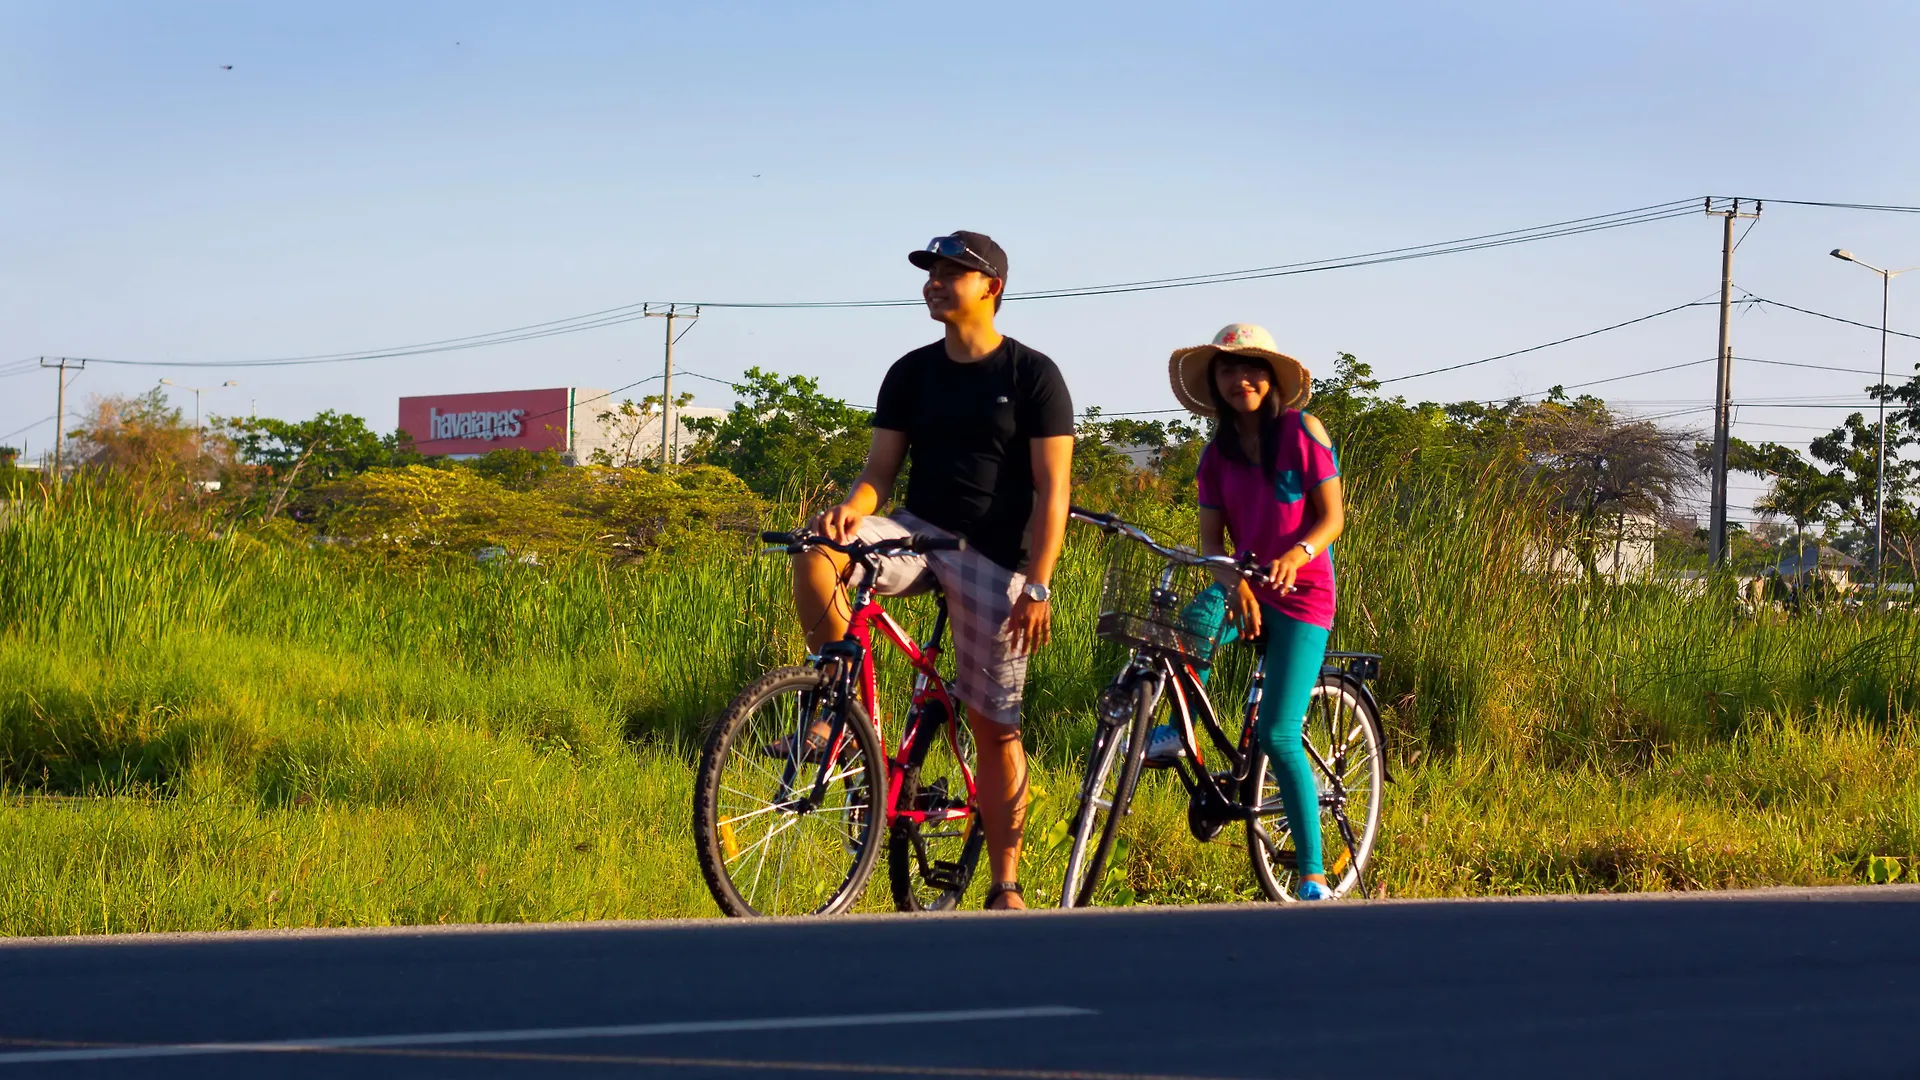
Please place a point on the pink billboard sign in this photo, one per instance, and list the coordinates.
(478, 423)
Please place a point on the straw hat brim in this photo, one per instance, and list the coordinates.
(1187, 369)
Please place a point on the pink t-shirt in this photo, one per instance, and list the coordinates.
(1267, 517)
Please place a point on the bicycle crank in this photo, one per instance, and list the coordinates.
(1207, 814)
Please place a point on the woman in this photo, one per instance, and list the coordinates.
(1269, 478)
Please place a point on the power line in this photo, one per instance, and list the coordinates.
(29, 427)
(1880, 207)
(1547, 345)
(1579, 226)
(1817, 367)
(1598, 382)
(1757, 299)
(624, 313)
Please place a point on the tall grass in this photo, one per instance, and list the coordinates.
(205, 731)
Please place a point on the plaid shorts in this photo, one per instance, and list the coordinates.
(988, 677)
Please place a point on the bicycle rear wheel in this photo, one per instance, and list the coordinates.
(930, 861)
(1106, 790)
(780, 830)
(1346, 753)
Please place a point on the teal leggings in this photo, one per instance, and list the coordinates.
(1295, 652)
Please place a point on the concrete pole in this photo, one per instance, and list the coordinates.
(1722, 401)
(666, 398)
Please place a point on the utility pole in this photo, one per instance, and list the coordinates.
(60, 406)
(1723, 385)
(670, 455)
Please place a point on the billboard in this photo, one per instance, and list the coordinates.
(497, 420)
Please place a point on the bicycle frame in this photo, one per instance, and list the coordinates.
(1190, 701)
(928, 686)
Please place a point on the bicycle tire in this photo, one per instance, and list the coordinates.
(844, 831)
(921, 879)
(1118, 742)
(1335, 705)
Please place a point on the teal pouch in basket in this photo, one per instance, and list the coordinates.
(1206, 616)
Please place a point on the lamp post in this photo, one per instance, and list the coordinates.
(197, 391)
(1880, 468)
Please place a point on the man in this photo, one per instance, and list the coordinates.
(989, 427)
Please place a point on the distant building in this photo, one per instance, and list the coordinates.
(1811, 561)
(468, 425)
(562, 419)
(1625, 551)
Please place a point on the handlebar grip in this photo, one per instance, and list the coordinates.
(786, 538)
(939, 543)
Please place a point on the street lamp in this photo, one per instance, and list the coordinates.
(1880, 469)
(197, 391)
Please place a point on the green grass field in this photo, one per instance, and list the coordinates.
(222, 732)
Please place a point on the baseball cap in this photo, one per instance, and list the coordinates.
(975, 251)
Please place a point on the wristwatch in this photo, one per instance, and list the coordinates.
(1037, 592)
(1308, 548)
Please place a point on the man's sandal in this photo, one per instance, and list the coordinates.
(1000, 889)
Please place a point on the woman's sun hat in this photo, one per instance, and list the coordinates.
(1292, 382)
(1187, 369)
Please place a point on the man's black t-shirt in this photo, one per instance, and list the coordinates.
(967, 427)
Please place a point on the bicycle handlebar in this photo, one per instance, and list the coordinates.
(797, 542)
(1111, 524)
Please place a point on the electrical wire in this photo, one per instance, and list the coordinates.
(625, 313)
(1880, 207)
(1598, 382)
(1822, 367)
(1755, 298)
(29, 427)
(1547, 345)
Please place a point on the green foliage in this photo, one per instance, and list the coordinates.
(518, 469)
(1833, 485)
(1104, 476)
(202, 732)
(784, 437)
(531, 508)
(208, 727)
(414, 514)
(280, 462)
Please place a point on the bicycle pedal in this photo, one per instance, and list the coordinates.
(943, 875)
(1206, 814)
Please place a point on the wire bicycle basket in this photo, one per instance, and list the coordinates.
(1151, 602)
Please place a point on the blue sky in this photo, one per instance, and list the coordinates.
(376, 174)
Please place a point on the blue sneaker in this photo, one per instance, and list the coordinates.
(1313, 890)
(1163, 748)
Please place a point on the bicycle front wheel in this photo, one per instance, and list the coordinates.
(1346, 753)
(783, 828)
(1113, 769)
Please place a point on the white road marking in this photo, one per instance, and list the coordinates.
(456, 1038)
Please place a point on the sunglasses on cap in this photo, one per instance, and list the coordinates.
(952, 247)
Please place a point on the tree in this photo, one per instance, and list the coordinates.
(284, 460)
(1599, 468)
(1843, 492)
(145, 439)
(519, 469)
(784, 437)
(11, 475)
(1106, 474)
(626, 423)
(413, 515)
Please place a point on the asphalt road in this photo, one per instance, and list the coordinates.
(1786, 983)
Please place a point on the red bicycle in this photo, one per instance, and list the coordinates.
(788, 803)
